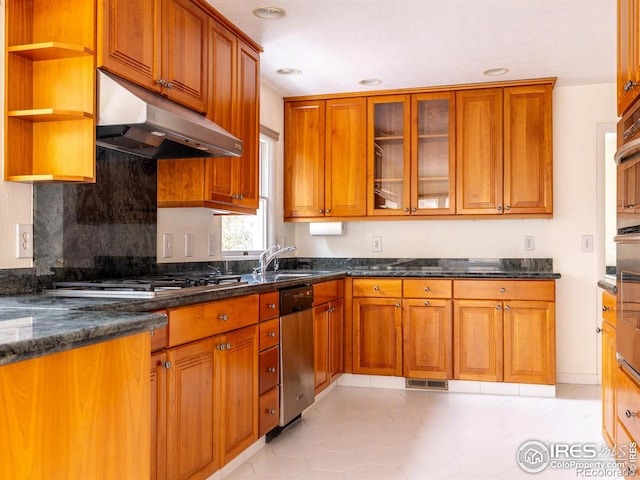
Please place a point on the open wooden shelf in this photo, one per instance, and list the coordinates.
(49, 51)
(49, 115)
(49, 178)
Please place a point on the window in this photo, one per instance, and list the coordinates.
(248, 235)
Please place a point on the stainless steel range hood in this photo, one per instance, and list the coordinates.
(137, 121)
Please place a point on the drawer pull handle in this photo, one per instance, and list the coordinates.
(272, 306)
(271, 334)
(271, 369)
(166, 364)
(629, 413)
(224, 317)
(427, 289)
(271, 411)
(376, 288)
(426, 304)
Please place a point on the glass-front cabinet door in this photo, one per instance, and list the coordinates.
(388, 164)
(432, 154)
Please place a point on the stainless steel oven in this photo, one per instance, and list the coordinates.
(628, 242)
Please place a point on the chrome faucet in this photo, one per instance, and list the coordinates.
(269, 255)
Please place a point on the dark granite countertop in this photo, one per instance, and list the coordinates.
(38, 324)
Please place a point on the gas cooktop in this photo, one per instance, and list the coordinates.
(145, 287)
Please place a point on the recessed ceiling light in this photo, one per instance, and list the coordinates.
(370, 82)
(289, 71)
(269, 12)
(495, 72)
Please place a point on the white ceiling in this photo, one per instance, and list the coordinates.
(418, 43)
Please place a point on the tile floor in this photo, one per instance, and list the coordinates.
(386, 434)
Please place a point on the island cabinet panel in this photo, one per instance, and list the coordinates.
(82, 413)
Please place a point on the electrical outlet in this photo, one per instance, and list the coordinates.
(212, 245)
(376, 243)
(586, 243)
(188, 244)
(167, 245)
(24, 240)
(529, 244)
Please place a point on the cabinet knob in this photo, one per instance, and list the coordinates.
(503, 290)
(508, 207)
(397, 305)
(598, 330)
(606, 309)
(328, 210)
(320, 211)
(414, 209)
(507, 307)
(498, 307)
(426, 304)
(228, 346)
(224, 317)
(406, 209)
(499, 208)
(221, 347)
(271, 411)
(152, 333)
(271, 369)
(376, 288)
(271, 334)
(427, 289)
(272, 306)
(166, 364)
(630, 471)
(162, 82)
(629, 413)
(629, 85)
(169, 85)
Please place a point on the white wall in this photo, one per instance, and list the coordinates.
(15, 200)
(577, 112)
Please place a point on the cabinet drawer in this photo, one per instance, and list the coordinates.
(543, 290)
(269, 305)
(377, 287)
(628, 403)
(327, 291)
(158, 339)
(269, 333)
(269, 410)
(426, 288)
(269, 368)
(609, 308)
(194, 322)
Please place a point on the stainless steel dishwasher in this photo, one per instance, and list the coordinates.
(296, 352)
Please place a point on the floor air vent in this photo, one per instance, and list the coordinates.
(422, 384)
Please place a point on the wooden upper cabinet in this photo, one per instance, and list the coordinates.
(345, 150)
(628, 53)
(479, 151)
(304, 150)
(388, 155)
(158, 44)
(504, 151)
(325, 154)
(433, 154)
(528, 156)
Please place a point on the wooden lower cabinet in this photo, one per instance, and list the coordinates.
(237, 391)
(477, 327)
(627, 421)
(158, 415)
(609, 369)
(328, 342)
(427, 338)
(192, 446)
(377, 336)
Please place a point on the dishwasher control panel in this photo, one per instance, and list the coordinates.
(295, 299)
